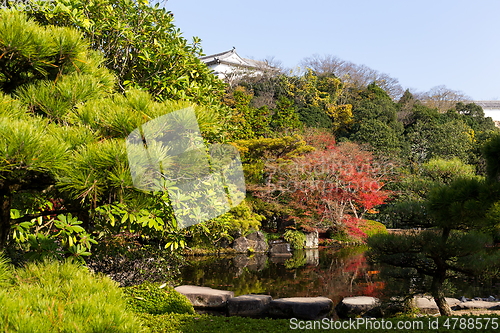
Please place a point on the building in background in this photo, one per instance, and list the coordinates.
(230, 67)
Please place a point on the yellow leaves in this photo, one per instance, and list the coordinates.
(340, 114)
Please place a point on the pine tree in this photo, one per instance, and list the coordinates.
(464, 220)
(63, 125)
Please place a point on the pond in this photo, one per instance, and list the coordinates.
(325, 272)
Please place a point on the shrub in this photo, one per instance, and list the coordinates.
(370, 228)
(297, 239)
(153, 299)
(63, 297)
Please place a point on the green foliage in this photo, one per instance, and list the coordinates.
(314, 116)
(286, 147)
(55, 297)
(248, 122)
(285, 118)
(176, 323)
(379, 135)
(5, 271)
(141, 54)
(296, 238)
(444, 171)
(66, 137)
(317, 98)
(409, 208)
(241, 218)
(462, 204)
(370, 228)
(474, 116)
(154, 299)
(297, 260)
(32, 53)
(461, 212)
(55, 239)
(491, 151)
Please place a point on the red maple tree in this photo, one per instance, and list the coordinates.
(332, 186)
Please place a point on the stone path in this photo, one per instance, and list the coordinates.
(206, 299)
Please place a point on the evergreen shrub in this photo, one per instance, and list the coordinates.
(61, 297)
(154, 299)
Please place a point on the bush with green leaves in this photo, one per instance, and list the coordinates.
(296, 238)
(370, 227)
(55, 239)
(142, 46)
(63, 297)
(155, 299)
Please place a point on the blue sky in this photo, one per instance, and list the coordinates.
(421, 43)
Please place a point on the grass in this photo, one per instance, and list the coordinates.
(206, 324)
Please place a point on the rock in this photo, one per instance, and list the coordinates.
(205, 297)
(427, 304)
(249, 305)
(312, 240)
(484, 305)
(280, 248)
(241, 244)
(257, 241)
(308, 308)
(351, 307)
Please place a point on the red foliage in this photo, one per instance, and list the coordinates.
(338, 184)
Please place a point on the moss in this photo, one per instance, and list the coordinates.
(154, 299)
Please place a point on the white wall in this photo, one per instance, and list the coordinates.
(494, 114)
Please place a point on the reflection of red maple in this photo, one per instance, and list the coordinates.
(355, 264)
(373, 289)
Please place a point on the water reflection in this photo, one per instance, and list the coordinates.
(331, 273)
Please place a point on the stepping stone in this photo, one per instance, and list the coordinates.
(427, 304)
(248, 305)
(483, 305)
(308, 308)
(357, 306)
(205, 297)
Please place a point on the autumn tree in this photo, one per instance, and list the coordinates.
(332, 187)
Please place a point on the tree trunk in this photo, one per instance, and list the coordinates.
(443, 306)
(5, 204)
(439, 278)
(437, 293)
